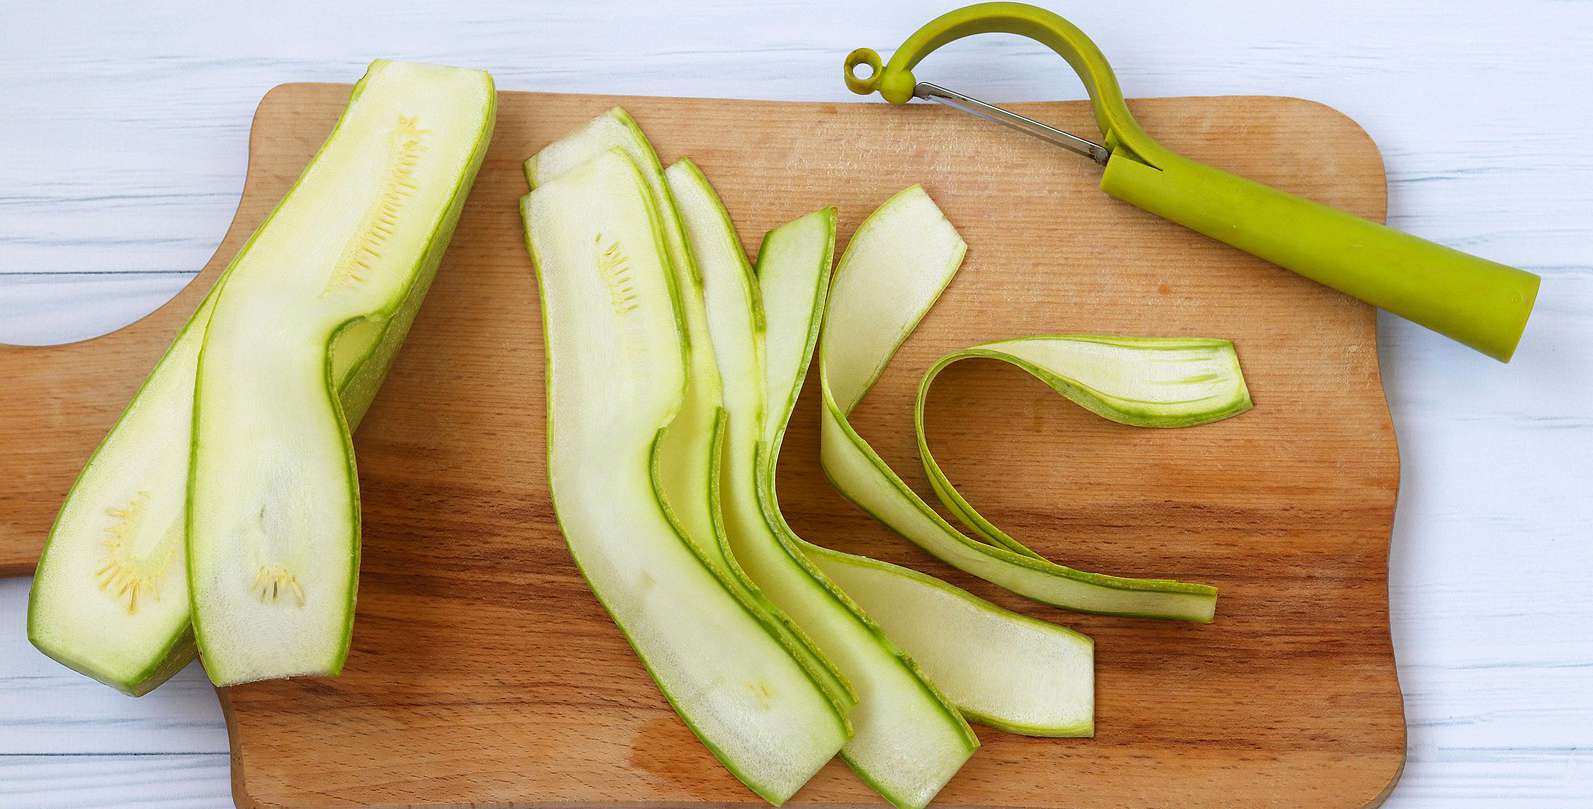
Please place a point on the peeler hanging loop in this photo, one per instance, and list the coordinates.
(1478, 302)
(862, 83)
(896, 83)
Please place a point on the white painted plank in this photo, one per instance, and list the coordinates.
(46, 708)
(1477, 111)
(115, 782)
(123, 146)
(1491, 777)
(64, 308)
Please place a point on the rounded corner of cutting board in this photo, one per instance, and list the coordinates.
(1334, 118)
(1392, 780)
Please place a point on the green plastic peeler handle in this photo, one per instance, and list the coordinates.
(1478, 302)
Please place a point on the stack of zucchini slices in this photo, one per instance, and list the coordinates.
(674, 364)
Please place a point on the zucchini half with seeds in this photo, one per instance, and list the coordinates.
(324, 290)
(110, 595)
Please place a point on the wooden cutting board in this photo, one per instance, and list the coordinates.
(484, 673)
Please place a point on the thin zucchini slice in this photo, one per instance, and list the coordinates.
(326, 288)
(908, 740)
(896, 266)
(1000, 668)
(618, 371)
(1138, 381)
(687, 459)
(685, 455)
(734, 319)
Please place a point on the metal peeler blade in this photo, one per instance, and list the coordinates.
(1012, 120)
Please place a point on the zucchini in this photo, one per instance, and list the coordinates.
(1137, 381)
(305, 324)
(895, 268)
(687, 456)
(998, 667)
(1001, 668)
(618, 371)
(111, 595)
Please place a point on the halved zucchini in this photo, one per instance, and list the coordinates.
(324, 291)
(111, 595)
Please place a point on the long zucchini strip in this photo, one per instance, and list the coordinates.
(1138, 381)
(894, 269)
(908, 739)
(998, 667)
(618, 372)
(687, 458)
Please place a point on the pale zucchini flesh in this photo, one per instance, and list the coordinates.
(907, 740)
(894, 269)
(998, 667)
(735, 326)
(687, 461)
(685, 456)
(325, 287)
(618, 368)
(110, 595)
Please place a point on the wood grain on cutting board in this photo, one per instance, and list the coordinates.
(484, 672)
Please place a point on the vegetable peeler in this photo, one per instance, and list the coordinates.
(1480, 303)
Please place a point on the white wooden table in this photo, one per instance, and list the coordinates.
(122, 149)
